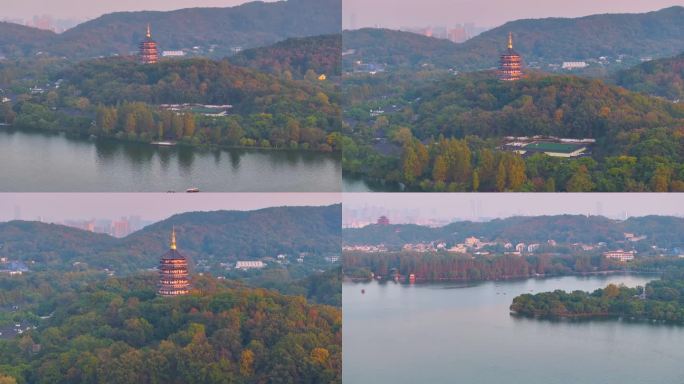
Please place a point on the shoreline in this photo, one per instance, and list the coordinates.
(210, 147)
(373, 183)
(356, 280)
(582, 317)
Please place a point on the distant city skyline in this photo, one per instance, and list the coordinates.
(60, 207)
(490, 13)
(441, 208)
(26, 10)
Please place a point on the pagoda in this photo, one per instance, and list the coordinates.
(148, 49)
(173, 271)
(510, 67)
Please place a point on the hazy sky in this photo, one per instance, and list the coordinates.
(88, 9)
(150, 206)
(491, 13)
(490, 205)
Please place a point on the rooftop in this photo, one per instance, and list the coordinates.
(545, 146)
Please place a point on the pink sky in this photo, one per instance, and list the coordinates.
(489, 205)
(150, 206)
(88, 9)
(491, 13)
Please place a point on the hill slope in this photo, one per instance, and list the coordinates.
(115, 80)
(479, 104)
(320, 54)
(562, 228)
(551, 40)
(223, 236)
(638, 138)
(19, 40)
(248, 25)
(656, 34)
(397, 48)
(123, 97)
(119, 331)
(663, 77)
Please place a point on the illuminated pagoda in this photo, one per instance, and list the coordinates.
(510, 67)
(173, 271)
(148, 49)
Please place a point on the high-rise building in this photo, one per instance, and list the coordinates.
(510, 67)
(121, 228)
(457, 34)
(148, 49)
(173, 271)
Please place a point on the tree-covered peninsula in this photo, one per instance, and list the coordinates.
(659, 300)
(197, 102)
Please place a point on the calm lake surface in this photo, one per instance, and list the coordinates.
(38, 162)
(441, 333)
(358, 184)
(355, 185)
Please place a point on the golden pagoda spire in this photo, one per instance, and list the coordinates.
(510, 40)
(173, 239)
(149, 32)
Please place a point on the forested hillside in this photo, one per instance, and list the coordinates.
(18, 40)
(568, 229)
(223, 236)
(119, 331)
(663, 77)
(297, 57)
(551, 246)
(441, 132)
(564, 106)
(396, 48)
(550, 40)
(660, 300)
(117, 97)
(215, 31)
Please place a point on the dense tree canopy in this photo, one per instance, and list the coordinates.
(663, 77)
(296, 57)
(661, 300)
(118, 331)
(565, 244)
(118, 97)
(458, 123)
(443, 266)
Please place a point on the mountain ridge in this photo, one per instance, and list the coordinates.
(655, 33)
(247, 25)
(571, 228)
(225, 235)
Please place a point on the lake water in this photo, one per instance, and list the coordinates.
(45, 162)
(357, 184)
(441, 333)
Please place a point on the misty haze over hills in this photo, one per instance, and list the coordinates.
(560, 228)
(444, 208)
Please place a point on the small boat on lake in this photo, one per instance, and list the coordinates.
(192, 190)
(164, 143)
